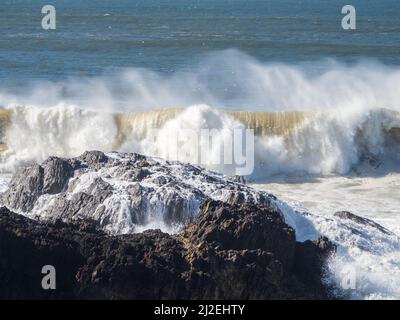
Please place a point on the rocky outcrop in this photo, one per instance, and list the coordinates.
(241, 227)
(121, 192)
(30, 183)
(249, 252)
(25, 188)
(229, 252)
(345, 215)
(310, 262)
(85, 216)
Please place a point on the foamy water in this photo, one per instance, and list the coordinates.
(373, 256)
(376, 198)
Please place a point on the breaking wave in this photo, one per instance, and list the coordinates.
(320, 119)
(320, 143)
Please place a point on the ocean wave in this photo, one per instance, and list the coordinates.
(227, 79)
(317, 143)
(317, 119)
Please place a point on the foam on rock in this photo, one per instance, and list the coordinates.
(126, 192)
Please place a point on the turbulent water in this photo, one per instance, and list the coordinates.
(308, 142)
(322, 122)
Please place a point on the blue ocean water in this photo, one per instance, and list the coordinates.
(98, 37)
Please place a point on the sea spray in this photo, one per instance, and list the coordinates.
(318, 143)
(226, 79)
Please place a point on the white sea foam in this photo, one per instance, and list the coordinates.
(324, 143)
(36, 133)
(372, 255)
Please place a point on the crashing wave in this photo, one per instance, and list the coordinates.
(321, 142)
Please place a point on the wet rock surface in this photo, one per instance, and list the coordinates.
(121, 192)
(345, 215)
(196, 263)
(85, 215)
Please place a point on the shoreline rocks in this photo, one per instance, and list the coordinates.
(122, 192)
(345, 215)
(86, 216)
(196, 263)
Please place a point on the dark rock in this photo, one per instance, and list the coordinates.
(139, 266)
(238, 248)
(236, 274)
(93, 159)
(25, 247)
(230, 252)
(360, 220)
(24, 189)
(241, 227)
(57, 172)
(310, 262)
(30, 183)
(89, 264)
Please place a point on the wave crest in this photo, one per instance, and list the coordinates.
(286, 142)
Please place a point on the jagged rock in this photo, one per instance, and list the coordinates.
(122, 192)
(25, 247)
(89, 263)
(310, 261)
(30, 183)
(194, 264)
(141, 266)
(237, 274)
(241, 227)
(24, 189)
(360, 220)
(56, 174)
(93, 159)
(232, 241)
